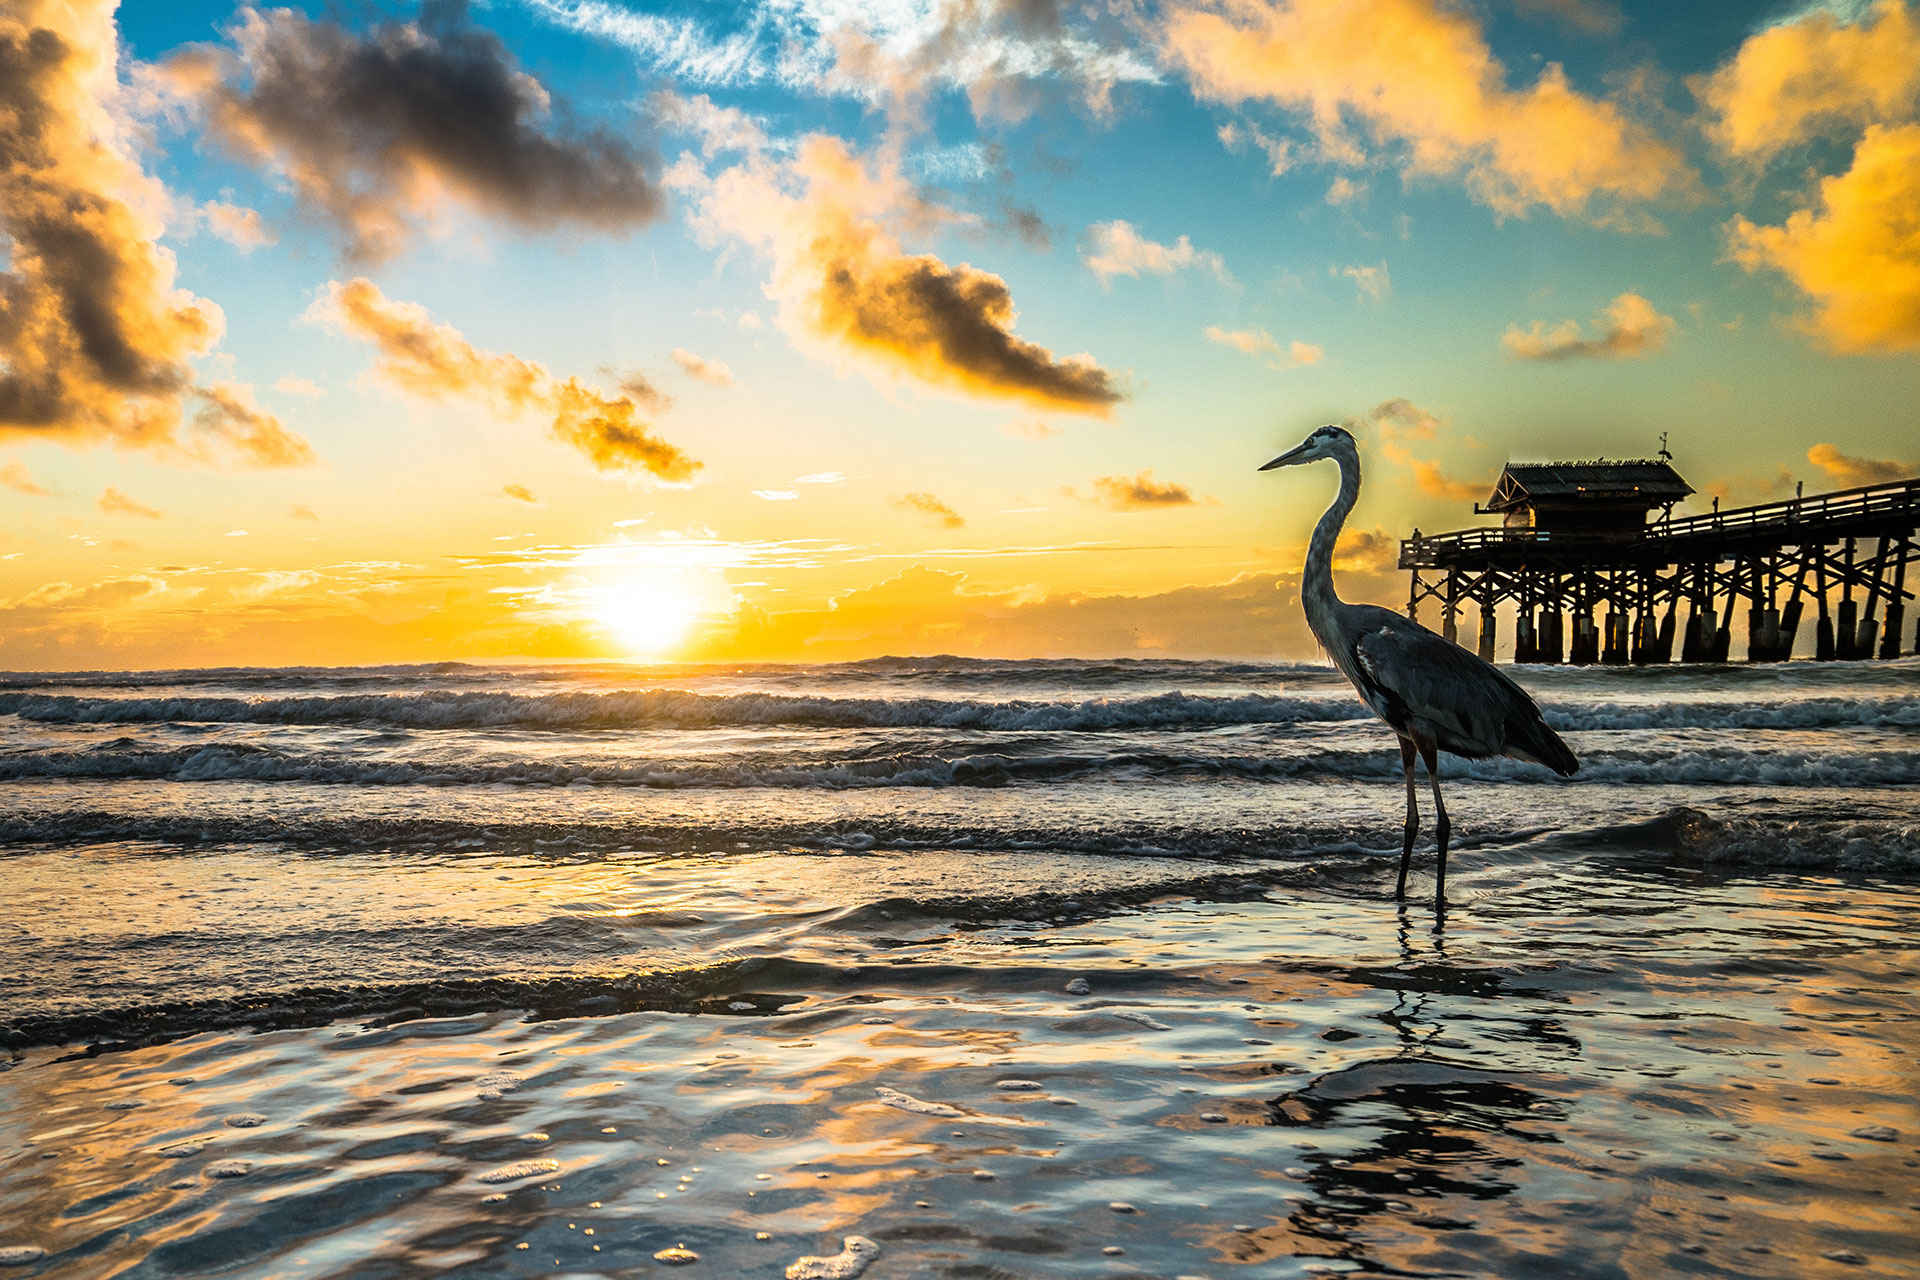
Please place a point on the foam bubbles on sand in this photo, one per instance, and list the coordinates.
(520, 1169)
(25, 1255)
(919, 1106)
(181, 1150)
(1079, 987)
(1146, 1020)
(1019, 1086)
(229, 1169)
(856, 1254)
(246, 1120)
(677, 1256)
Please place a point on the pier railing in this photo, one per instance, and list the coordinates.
(1823, 516)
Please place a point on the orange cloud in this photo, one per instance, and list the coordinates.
(1419, 76)
(927, 504)
(1258, 342)
(1117, 249)
(1857, 256)
(715, 372)
(1851, 472)
(1140, 493)
(828, 220)
(1375, 282)
(15, 476)
(434, 360)
(94, 336)
(1794, 80)
(1367, 551)
(115, 503)
(1399, 420)
(1432, 480)
(238, 226)
(1633, 328)
(1278, 151)
(377, 130)
(228, 414)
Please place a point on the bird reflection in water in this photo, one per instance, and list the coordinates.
(1441, 1122)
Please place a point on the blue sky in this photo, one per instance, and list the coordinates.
(1540, 227)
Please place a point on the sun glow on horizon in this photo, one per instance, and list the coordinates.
(648, 618)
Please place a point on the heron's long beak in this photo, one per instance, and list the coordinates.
(1288, 458)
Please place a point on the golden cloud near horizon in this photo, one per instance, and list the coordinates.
(434, 360)
(828, 219)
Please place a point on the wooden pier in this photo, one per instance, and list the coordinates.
(1591, 578)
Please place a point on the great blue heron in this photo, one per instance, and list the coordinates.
(1432, 693)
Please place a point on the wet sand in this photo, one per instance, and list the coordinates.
(1615, 1069)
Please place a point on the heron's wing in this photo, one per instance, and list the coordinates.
(1468, 705)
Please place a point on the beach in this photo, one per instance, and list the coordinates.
(990, 968)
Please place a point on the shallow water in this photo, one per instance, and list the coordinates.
(529, 972)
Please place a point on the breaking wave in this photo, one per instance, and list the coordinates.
(1683, 763)
(682, 709)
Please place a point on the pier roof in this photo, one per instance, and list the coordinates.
(1639, 482)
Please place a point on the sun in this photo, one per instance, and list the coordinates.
(645, 618)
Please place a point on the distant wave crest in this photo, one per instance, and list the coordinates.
(684, 709)
(1676, 764)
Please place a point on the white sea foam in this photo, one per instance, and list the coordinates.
(520, 1169)
(856, 1254)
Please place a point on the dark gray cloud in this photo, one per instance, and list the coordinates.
(374, 128)
(94, 338)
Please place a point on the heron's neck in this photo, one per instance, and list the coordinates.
(1316, 585)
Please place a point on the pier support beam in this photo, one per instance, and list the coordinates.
(1552, 636)
(1586, 644)
(1487, 631)
(1614, 651)
(1896, 603)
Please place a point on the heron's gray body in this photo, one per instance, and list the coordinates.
(1432, 693)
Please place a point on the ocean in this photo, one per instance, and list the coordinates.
(948, 967)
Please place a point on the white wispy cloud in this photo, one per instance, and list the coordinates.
(686, 49)
(884, 50)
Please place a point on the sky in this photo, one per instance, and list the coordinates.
(817, 330)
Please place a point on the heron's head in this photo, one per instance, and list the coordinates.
(1328, 442)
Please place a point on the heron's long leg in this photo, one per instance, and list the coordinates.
(1431, 755)
(1413, 816)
